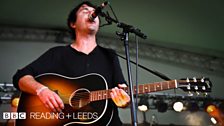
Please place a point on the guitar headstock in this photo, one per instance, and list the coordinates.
(197, 85)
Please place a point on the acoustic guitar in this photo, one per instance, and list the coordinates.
(84, 103)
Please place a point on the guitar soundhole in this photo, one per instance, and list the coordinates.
(79, 98)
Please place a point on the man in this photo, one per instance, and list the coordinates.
(81, 57)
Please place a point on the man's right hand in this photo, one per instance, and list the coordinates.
(50, 99)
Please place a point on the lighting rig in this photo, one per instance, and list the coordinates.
(8, 94)
(179, 103)
(163, 102)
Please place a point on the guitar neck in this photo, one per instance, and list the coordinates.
(143, 88)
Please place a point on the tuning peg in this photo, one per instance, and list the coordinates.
(190, 94)
(188, 87)
(196, 87)
(203, 88)
(187, 80)
(208, 83)
(197, 93)
(205, 94)
(203, 79)
(194, 79)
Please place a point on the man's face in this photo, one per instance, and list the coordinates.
(83, 24)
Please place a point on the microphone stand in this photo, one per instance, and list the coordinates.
(125, 36)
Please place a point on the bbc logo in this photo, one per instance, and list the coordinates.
(14, 115)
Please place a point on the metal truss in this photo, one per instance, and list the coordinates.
(170, 55)
(7, 92)
(153, 99)
(146, 50)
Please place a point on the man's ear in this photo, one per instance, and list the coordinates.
(72, 24)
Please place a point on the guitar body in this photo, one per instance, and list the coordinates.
(86, 99)
(75, 93)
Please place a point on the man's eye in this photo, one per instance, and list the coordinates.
(85, 9)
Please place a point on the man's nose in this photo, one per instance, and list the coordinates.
(91, 11)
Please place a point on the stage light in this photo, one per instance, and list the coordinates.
(15, 99)
(213, 120)
(214, 112)
(211, 109)
(143, 104)
(161, 106)
(143, 108)
(15, 102)
(178, 106)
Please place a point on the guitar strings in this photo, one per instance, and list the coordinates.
(91, 96)
(83, 94)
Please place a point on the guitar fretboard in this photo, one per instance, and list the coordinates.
(143, 88)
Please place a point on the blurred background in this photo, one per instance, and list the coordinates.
(184, 40)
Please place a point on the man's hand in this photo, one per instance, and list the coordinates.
(51, 100)
(120, 97)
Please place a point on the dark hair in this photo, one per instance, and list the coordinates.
(72, 16)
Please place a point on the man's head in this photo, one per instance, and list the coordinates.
(73, 15)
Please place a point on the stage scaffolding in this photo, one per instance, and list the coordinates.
(147, 50)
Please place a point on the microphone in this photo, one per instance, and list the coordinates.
(97, 11)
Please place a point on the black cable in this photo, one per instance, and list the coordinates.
(113, 12)
(136, 84)
(162, 76)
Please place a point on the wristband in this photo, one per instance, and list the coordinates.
(41, 89)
